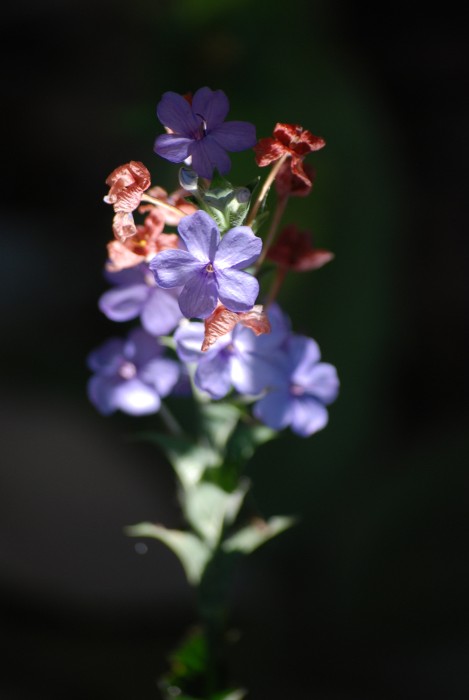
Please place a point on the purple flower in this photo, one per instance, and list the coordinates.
(300, 389)
(210, 268)
(239, 359)
(199, 131)
(130, 375)
(136, 294)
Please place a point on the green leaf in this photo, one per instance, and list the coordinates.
(244, 441)
(218, 421)
(208, 508)
(190, 550)
(253, 536)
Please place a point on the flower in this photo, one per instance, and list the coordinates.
(198, 130)
(240, 358)
(288, 184)
(222, 321)
(147, 240)
(294, 251)
(300, 388)
(293, 141)
(210, 268)
(130, 375)
(135, 294)
(127, 184)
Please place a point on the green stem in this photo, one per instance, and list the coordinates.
(276, 218)
(265, 188)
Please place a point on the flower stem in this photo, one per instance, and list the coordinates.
(163, 205)
(265, 188)
(276, 286)
(278, 213)
(170, 421)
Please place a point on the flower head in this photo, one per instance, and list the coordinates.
(240, 358)
(210, 268)
(147, 240)
(197, 129)
(293, 141)
(127, 184)
(131, 375)
(134, 294)
(294, 251)
(300, 388)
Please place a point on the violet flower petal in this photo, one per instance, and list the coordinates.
(251, 374)
(107, 358)
(172, 147)
(172, 268)
(239, 248)
(274, 409)
(136, 398)
(189, 338)
(175, 112)
(123, 303)
(201, 236)
(211, 105)
(207, 155)
(213, 374)
(237, 290)
(199, 296)
(304, 353)
(141, 347)
(162, 374)
(308, 416)
(161, 313)
(320, 381)
(235, 136)
(100, 391)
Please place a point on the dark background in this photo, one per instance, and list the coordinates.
(367, 598)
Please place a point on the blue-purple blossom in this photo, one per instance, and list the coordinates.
(131, 375)
(136, 294)
(239, 359)
(210, 268)
(199, 131)
(300, 388)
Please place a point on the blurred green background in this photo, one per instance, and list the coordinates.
(368, 597)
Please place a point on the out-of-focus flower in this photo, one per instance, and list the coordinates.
(148, 240)
(197, 129)
(131, 375)
(239, 359)
(294, 251)
(300, 388)
(293, 141)
(210, 269)
(288, 184)
(123, 225)
(127, 184)
(135, 294)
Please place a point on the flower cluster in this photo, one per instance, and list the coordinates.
(189, 273)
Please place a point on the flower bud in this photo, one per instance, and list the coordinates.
(188, 179)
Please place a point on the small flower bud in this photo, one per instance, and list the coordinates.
(188, 179)
(242, 195)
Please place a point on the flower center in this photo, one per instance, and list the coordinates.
(209, 268)
(297, 390)
(127, 370)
